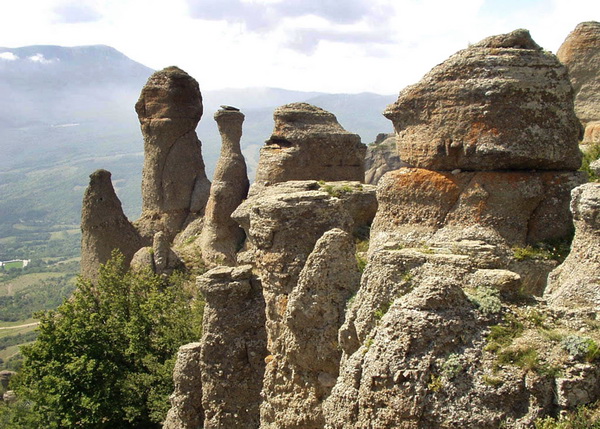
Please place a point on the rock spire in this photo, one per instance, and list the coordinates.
(174, 184)
(104, 226)
(221, 236)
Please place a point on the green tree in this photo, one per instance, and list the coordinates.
(104, 359)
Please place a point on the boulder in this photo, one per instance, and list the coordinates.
(174, 184)
(233, 347)
(221, 236)
(576, 282)
(501, 104)
(186, 401)
(104, 226)
(160, 258)
(580, 52)
(591, 135)
(309, 143)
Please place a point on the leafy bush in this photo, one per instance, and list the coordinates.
(581, 347)
(589, 156)
(105, 357)
(487, 299)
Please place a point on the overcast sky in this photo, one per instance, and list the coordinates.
(314, 45)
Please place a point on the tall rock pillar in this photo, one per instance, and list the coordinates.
(221, 235)
(174, 184)
(104, 226)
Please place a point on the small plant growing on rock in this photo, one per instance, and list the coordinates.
(502, 335)
(487, 300)
(526, 358)
(582, 348)
(452, 366)
(435, 383)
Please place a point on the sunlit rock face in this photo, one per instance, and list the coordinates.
(580, 52)
(104, 226)
(500, 104)
(309, 143)
(174, 184)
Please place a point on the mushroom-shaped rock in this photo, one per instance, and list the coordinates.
(580, 52)
(503, 103)
(174, 184)
(221, 236)
(104, 226)
(309, 143)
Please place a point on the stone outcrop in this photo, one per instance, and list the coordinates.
(502, 103)
(283, 223)
(174, 184)
(580, 52)
(186, 401)
(221, 236)
(304, 361)
(382, 156)
(309, 143)
(104, 226)
(233, 347)
(592, 133)
(515, 207)
(159, 258)
(576, 282)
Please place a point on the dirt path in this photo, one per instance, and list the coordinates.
(19, 326)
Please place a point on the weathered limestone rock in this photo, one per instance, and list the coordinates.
(592, 133)
(304, 365)
(174, 185)
(382, 156)
(576, 282)
(159, 258)
(400, 376)
(309, 143)
(518, 207)
(233, 347)
(580, 52)
(5, 377)
(186, 401)
(104, 226)
(221, 235)
(283, 222)
(502, 103)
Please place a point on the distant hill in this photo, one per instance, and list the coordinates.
(67, 111)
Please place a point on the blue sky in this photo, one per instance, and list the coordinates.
(323, 45)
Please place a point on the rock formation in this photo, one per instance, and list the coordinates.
(104, 226)
(233, 347)
(462, 114)
(304, 360)
(221, 236)
(186, 401)
(580, 52)
(576, 282)
(592, 133)
(415, 352)
(174, 185)
(308, 143)
(382, 156)
(159, 258)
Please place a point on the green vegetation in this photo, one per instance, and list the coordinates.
(586, 417)
(486, 299)
(502, 335)
(556, 250)
(582, 348)
(522, 357)
(589, 156)
(435, 383)
(452, 366)
(104, 358)
(338, 191)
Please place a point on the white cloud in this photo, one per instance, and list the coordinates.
(39, 58)
(8, 56)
